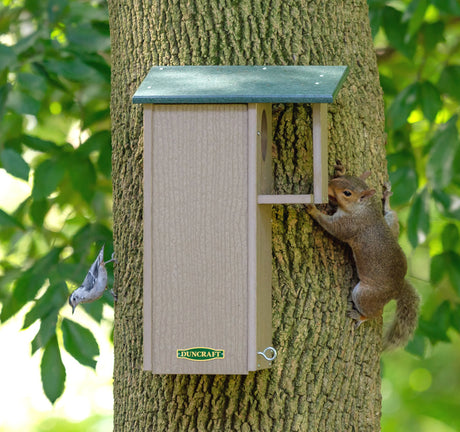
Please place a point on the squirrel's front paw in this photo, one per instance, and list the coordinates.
(311, 208)
(387, 190)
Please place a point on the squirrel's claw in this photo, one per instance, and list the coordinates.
(387, 193)
(312, 209)
(356, 316)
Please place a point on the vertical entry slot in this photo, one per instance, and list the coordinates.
(263, 135)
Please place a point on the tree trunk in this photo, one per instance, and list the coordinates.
(327, 374)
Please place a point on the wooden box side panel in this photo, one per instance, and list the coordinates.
(198, 237)
(260, 235)
(320, 158)
(148, 211)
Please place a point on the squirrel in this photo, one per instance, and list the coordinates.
(380, 261)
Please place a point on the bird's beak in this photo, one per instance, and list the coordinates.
(73, 309)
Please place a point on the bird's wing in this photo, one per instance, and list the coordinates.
(93, 272)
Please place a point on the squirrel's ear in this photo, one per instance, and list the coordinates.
(365, 175)
(367, 194)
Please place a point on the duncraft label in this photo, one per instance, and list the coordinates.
(200, 354)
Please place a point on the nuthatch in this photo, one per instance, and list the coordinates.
(94, 284)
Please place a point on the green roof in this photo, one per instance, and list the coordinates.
(240, 84)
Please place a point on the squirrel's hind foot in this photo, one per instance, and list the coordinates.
(355, 314)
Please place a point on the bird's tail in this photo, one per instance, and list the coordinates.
(405, 320)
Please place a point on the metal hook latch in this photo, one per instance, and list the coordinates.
(265, 356)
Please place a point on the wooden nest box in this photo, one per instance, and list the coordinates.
(207, 194)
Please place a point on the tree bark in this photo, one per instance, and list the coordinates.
(327, 374)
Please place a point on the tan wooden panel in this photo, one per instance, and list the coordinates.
(148, 211)
(285, 199)
(260, 246)
(320, 180)
(196, 228)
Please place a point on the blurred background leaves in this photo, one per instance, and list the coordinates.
(55, 139)
(418, 50)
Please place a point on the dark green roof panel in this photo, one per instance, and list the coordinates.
(240, 84)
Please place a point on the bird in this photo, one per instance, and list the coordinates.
(94, 283)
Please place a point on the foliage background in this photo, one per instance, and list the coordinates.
(55, 140)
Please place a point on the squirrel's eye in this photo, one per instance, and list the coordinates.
(347, 193)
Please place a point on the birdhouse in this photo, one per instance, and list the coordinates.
(208, 190)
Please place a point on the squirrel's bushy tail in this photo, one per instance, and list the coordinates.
(405, 320)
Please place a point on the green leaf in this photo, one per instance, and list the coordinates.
(93, 117)
(417, 346)
(71, 271)
(375, 17)
(396, 31)
(52, 301)
(450, 237)
(10, 307)
(448, 6)
(51, 78)
(94, 143)
(436, 328)
(71, 69)
(448, 81)
(95, 309)
(87, 38)
(30, 42)
(23, 103)
(33, 84)
(34, 7)
(4, 92)
(8, 221)
(40, 145)
(414, 15)
(445, 144)
(418, 224)
(46, 331)
(450, 204)
(403, 185)
(433, 33)
(438, 266)
(83, 178)
(402, 106)
(98, 64)
(7, 56)
(104, 162)
(7, 16)
(453, 269)
(388, 85)
(38, 211)
(430, 100)
(56, 9)
(52, 371)
(14, 164)
(47, 177)
(79, 342)
(89, 236)
(33, 278)
(455, 318)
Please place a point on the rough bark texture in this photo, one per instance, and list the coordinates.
(326, 376)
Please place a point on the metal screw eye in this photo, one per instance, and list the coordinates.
(265, 356)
